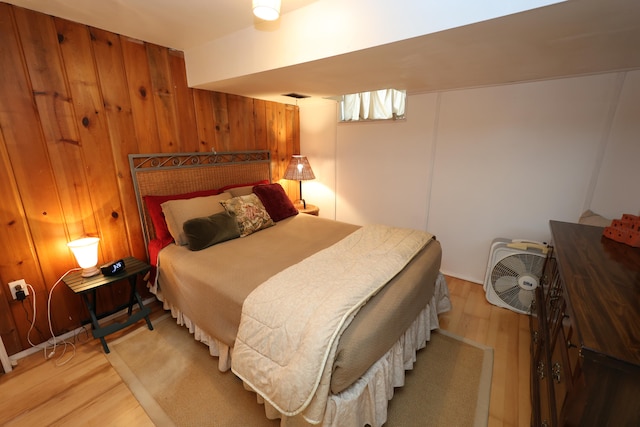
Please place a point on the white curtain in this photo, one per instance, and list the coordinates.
(375, 105)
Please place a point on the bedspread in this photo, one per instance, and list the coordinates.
(285, 355)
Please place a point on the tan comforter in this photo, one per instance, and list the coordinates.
(291, 324)
(210, 286)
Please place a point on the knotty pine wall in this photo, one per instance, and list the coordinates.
(74, 102)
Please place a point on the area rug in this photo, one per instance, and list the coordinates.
(178, 383)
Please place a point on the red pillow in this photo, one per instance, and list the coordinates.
(275, 201)
(155, 210)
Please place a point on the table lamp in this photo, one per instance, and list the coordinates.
(86, 252)
(299, 169)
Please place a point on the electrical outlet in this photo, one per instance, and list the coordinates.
(18, 285)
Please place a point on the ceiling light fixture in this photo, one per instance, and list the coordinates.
(269, 10)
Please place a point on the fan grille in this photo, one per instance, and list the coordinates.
(514, 279)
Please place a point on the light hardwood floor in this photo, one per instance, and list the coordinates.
(87, 391)
(508, 333)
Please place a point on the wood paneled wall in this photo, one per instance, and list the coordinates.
(74, 102)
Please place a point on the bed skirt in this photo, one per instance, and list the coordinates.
(366, 401)
(216, 348)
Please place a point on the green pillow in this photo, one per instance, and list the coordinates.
(204, 232)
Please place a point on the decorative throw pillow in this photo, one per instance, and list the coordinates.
(154, 209)
(208, 231)
(177, 212)
(275, 201)
(250, 213)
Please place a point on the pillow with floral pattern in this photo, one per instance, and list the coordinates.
(250, 213)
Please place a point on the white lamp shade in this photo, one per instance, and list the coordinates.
(86, 252)
(269, 10)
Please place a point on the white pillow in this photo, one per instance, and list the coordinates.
(177, 212)
(240, 191)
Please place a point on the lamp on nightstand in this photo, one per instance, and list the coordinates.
(299, 169)
(86, 252)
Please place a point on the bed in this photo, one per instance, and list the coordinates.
(232, 258)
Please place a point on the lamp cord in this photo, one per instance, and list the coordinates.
(53, 341)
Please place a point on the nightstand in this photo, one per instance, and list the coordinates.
(310, 209)
(86, 287)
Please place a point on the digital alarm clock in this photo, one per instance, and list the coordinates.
(113, 268)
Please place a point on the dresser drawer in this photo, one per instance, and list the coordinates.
(561, 376)
(574, 360)
(541, 399)
(536, 329)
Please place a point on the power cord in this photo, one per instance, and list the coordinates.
(86, 333)
(51, 343)
(35, 315)
(53, 336)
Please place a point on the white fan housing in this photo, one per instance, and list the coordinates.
(513, 273)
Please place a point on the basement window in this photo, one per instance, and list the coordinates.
(384, 104)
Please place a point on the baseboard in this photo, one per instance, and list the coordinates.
(463, 277)
(40, 347)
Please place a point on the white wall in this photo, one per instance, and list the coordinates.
(475, 164)
(384, 169)
(617, 188)
(318, 143)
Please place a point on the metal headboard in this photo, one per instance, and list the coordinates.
(163, 174)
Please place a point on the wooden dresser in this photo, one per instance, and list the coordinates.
(585, 326)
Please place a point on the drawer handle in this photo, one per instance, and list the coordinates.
(571, 345)
(541, 370)
(556, 370)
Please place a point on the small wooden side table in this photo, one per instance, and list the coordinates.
(86, 286)
(310, 209)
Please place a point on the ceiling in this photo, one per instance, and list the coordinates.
(577, 37)
(178, 24)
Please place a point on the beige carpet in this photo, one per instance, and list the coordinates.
(177, 382)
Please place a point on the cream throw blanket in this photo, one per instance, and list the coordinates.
(291, 324)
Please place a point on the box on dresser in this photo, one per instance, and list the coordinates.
(585, 329)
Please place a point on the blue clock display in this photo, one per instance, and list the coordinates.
(113, 268)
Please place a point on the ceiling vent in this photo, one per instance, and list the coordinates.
(296, 95)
